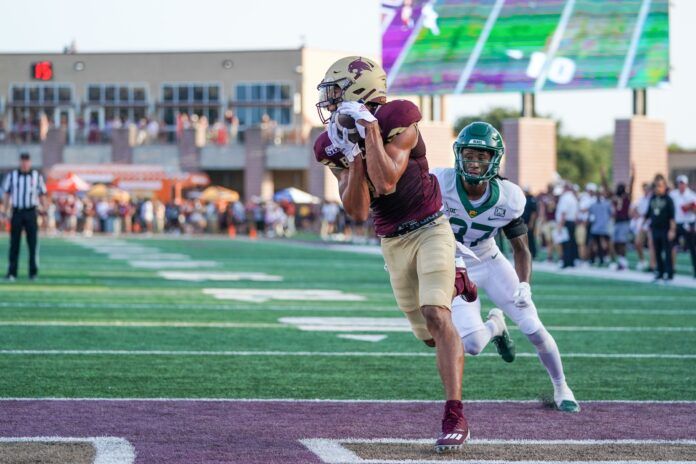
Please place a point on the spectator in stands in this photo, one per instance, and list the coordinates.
(663, 229)
(685, 216)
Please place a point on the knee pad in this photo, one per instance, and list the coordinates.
(530, 325)
(475, 342)
(542, 340)
(419, 326)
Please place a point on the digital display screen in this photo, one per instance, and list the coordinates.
(42, 71)
(471, 46)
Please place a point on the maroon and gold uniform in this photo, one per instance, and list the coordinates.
(417, 194)
(417, 242)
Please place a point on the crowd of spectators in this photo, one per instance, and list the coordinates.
(595, 226)
(147, 130)
(73, 214)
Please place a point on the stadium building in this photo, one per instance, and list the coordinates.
(243, 117)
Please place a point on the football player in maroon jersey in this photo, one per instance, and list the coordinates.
(386, 172)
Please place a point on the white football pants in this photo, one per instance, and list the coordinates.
(495, 275)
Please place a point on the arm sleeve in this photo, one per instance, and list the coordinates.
(6, 182)
(515, 228)
(42, 185)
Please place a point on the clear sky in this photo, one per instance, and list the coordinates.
(124, 25)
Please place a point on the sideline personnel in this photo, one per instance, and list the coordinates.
(22, 188)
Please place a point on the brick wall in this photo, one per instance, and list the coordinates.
(642, 142)
(530, 155)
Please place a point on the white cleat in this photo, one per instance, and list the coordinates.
(565, 400)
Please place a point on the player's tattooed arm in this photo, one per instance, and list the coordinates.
(522, 257)
(386, 164)
(352, 185)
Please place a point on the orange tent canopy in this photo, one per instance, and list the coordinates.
(71, 183)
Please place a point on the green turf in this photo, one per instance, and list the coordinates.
(80, 286)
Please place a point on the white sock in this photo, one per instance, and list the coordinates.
(492, 328)
(550, 357)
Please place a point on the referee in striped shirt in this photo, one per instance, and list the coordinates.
(22, 188)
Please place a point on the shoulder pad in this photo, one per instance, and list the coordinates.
(396, 116)
(326, 153)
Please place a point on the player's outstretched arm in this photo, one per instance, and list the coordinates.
(386, 164)
(352, 185)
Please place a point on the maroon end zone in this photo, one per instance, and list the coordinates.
(269, 431)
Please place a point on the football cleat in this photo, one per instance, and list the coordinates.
(455, 428)
(464, 286)
(503, 343)
(565, 400)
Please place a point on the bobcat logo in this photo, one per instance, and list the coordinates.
(358, 66)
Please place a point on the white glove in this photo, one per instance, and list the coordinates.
(523, 295)
(357, 111)
(341, 141)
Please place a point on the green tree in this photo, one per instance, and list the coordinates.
(580, 159)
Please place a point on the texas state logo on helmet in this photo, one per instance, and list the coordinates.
(353, 78)
(482, 136)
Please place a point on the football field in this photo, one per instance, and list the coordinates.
(215, 350)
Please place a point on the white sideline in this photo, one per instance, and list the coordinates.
(332, 451)
(367, 354)
(108, 450)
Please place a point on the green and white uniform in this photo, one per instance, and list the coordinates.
(475, 224)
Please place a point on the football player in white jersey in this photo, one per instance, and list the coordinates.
(478, 203)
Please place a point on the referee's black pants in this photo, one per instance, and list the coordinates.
(663, 253)
(23, 219)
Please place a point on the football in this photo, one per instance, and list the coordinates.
(344, 121)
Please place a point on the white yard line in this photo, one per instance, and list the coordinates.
(318, 324)
(358, 354)
(168, 324)
(332, 451)
(108, 450)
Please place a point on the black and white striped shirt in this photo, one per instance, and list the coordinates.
(24, 188)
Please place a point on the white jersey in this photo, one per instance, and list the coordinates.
(473, 225)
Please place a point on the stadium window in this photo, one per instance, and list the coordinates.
(167, 93)
(139, 94)
(34, 94)
(123, 94)
(199, 98)
(64, 94)
(213, 93)
(18, 94)
(110, 93)
(253, 100)
(242, 93)
(30, 103)
(49, 96)
(197, 93)
(183, 94)
(94, 94)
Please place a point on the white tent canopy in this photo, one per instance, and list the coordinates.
(295, 195)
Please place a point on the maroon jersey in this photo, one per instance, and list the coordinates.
(549, 202)
(622, 206)
(417, 194)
